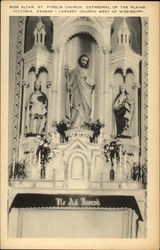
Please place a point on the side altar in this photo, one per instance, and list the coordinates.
(79, 125)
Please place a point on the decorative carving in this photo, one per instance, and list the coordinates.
(79, 133)
(19, 51)
(145, 92)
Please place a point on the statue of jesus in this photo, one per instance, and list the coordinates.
(79, 89)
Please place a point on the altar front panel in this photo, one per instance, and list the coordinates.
(77, 223)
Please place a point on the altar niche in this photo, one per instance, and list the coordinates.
(76, 46)
(125, 103)
(35, 102)
(81, 36)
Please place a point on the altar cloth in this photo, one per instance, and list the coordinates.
(73, 201)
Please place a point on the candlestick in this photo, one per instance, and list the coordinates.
(30, 164)
(120, 158)
(125, 161)
(39, 162)
(35, 149)
(120, 166)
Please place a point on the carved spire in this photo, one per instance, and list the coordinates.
(123, 34)
(39, 33)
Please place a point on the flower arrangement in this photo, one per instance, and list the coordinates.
(111, 150)
(45, 152)
(95, 126)
(61, 127)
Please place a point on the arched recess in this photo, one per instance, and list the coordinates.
(78, 27)
(76, 45)
(78, 171)
(78, 41)
(43, 77)
(118, 80)
(34, 75)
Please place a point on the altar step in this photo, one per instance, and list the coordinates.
(47, 184)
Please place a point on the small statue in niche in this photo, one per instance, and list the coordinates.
(36, 113)
(123, 110)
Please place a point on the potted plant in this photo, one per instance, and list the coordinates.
(18, 171)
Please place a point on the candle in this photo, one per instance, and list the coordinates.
(30, 164)
(125, 161)
(35, 149)
(120, 158)
(39, 162)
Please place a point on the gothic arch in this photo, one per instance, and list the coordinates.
(74, 155)
(77, 28)
(42, 69)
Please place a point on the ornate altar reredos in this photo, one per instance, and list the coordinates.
(78, 128)
(104, 150)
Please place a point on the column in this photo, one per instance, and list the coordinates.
(136, 108)
(25, 86)
(110, 125)
(101, 86)
(49, 115)
(55, 77)
(136, 122)
(93, 73)
(106, 96)
(89, 174)
(60, 70)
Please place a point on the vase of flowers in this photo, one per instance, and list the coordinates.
(61, 127)
(95, 126)
(44, 153)
(111, 150)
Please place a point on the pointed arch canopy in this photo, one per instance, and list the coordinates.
(74, 26)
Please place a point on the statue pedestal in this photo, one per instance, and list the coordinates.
(83, 135)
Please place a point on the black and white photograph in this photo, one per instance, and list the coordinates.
(79, 162)
(78, 127)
